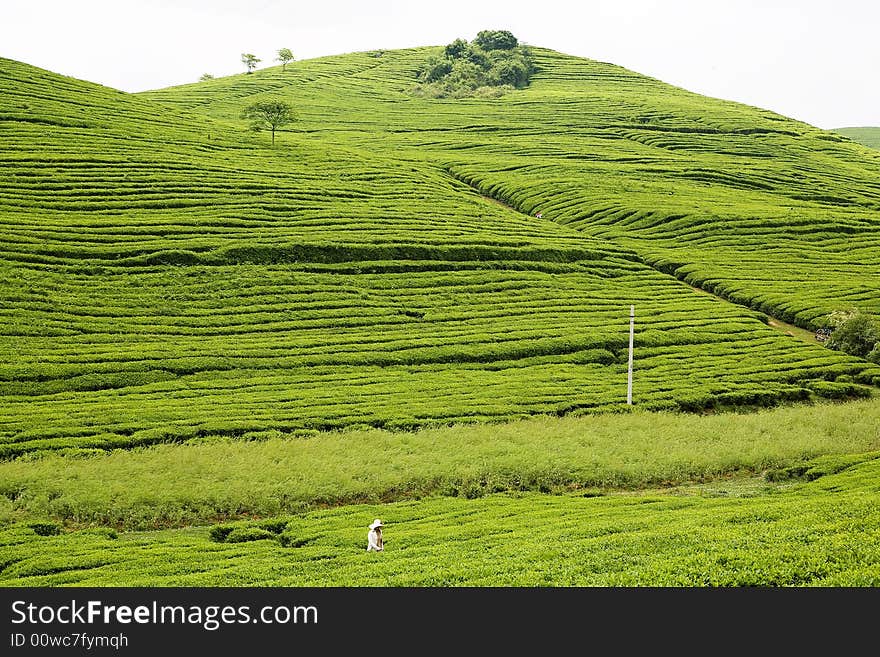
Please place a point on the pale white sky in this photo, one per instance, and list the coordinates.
(810, 60)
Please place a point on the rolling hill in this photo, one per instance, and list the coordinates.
(171, 281)
(168, 275)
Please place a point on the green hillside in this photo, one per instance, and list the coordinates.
(396, 310)
(168, 275)
(866, 136)
(704, 188)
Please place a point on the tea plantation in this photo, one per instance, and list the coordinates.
(867, 136)
(821, 530)
(174, 286)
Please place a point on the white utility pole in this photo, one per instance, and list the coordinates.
(629, 374)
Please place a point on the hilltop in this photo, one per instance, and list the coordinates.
(613, 153)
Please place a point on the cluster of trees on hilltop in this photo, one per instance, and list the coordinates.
(490, 65)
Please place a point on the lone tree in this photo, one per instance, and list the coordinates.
(269, 115)
(285, 57)
(250, 61)
(205, 77)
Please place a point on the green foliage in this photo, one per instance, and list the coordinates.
(175, 485)
(45, 528)
(248, 534)
(163, 287)
(490, 65)
(269, 115)
(855, 333)
(458, 49)
(821, 530)
(165, 281)
(291, 539)
(818, 467)
(219, 533)
(285, 56)
(204, 77)
(495, 40)
(839, 389)
(274, 525)
(250, 61)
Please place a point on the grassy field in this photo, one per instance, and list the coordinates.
(819, 529)
(223, 478)
(783, 497)
(866, 136)
(199, 328)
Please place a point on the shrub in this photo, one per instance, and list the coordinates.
(837, 390)
(855, 333)
(496, 40)
(274, 525)
(45, 528)
(435, 68)
(457, 49)
(219, 533)
(246, 534)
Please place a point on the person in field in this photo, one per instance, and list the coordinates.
(374, 537)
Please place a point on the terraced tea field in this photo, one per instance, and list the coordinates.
(767, 211)
(168, 276)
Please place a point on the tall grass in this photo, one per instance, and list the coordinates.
(196, 483)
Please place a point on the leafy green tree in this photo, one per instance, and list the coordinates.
(855, 333)
(285, 57)
(496, 40)
(206, 76)
(250, 61)
(435, 68)
(478, 56)
(466, 73)
(510, 72)
(457, 49)
(269, 115)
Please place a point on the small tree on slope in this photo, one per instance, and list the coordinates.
(269, 115)
(285, 57)
(250, 61)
